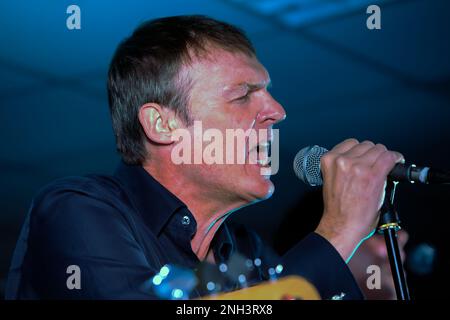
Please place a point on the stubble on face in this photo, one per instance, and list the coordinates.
(220, 83)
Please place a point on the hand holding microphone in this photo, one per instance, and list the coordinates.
(354, 176)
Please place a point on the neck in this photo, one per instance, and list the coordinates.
(208, 211)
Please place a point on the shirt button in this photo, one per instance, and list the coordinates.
(186, 220)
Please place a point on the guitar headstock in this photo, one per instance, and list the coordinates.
(220, 281)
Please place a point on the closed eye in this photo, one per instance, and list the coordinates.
(244, 98)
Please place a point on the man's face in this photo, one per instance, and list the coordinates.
(229, 91)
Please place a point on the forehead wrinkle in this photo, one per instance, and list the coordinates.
(252, 74)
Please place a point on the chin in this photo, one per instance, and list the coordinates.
(263, 189)
(256, 185)
(270, 190)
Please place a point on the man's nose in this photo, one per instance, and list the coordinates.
(272, 112)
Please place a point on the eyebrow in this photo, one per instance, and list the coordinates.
(229, 90)
(257, 86)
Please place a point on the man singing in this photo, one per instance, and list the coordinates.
(120, 230)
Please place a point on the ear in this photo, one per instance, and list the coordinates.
(158, 123)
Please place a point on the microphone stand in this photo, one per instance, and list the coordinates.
(389, 225)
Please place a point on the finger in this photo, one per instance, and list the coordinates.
(385, 163)
(345, 145)
(372, 154)
(359, 149)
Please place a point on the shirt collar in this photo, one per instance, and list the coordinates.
(223, 244)
(152, 200)
(157, 206)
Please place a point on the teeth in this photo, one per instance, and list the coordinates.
(263, 154)
(262, 151)
(263, 145)
(263, 162)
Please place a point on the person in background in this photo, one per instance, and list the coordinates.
(373, 252)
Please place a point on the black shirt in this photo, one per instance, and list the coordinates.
(121, 229)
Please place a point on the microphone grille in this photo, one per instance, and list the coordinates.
(307, 165)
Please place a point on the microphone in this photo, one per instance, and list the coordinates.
(307, 169)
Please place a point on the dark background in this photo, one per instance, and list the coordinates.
(335, 78)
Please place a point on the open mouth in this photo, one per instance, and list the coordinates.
(262, 151)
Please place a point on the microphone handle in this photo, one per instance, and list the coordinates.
(412, 173)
